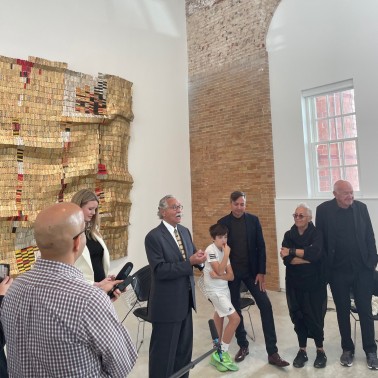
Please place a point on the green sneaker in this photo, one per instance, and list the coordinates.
(228, 362)
(218, 365)
(215, 357)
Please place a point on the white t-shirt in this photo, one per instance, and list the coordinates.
(213, 284)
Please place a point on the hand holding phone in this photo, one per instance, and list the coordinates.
(4, 271)
(121, 286)
(122, 275)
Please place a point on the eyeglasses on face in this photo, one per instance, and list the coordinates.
(76, 236)
(176, 207)
(299, 216)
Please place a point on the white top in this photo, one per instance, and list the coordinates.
(171, 230)
(84, 262)
(213, 284)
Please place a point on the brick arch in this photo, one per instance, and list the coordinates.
(229, 114)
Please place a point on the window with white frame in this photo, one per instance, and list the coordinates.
(331, 138)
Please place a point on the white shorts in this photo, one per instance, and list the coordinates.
(222, 303)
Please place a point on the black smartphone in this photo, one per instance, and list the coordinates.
(121, 286)
(124, 274)
(125, 271)
(4, 271)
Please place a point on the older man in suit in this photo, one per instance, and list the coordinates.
(349, 243)
(171, 255)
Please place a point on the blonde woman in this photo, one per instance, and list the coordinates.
(95, 260)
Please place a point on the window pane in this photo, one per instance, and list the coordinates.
(350, 127)
(324, 180)
(351, 175)
(335, 176)
(335, 158)
(332, 129)
(332, 135)
(322, 155)
(348, 101)
(335, 128)
(339, 128)
(350, 152)
(334, 104)
(321, 107)
(322, 130)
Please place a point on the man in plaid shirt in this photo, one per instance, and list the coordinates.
(55, 323)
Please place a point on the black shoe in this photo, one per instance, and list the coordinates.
(321, 359)
(347, 358)
(301, 359)
(243, 351)
(372, 361)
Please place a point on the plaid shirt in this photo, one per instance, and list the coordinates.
(57, 325)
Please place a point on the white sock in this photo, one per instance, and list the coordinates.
(225, 347)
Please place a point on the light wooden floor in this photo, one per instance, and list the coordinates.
(255, 364)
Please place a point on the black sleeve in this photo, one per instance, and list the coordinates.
(2, 337)
(287, 243)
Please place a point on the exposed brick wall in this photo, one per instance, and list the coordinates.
(230, 121)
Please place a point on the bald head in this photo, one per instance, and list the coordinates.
(343, 192)
(55, 229)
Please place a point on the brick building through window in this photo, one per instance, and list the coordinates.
(330, 137)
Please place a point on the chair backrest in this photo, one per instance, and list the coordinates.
(142, 283)
(201, 285)
(243, 288)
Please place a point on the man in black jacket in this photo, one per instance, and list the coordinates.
(349, 244)
(248, 261)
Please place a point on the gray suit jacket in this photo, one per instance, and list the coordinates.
(172, 278)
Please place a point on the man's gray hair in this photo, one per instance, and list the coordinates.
(163, 204)
(305, 206)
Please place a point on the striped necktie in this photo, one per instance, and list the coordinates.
(179, 242)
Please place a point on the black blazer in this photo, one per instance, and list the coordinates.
(2, 337)
(255, 240)
(172, 277)
(326, 222)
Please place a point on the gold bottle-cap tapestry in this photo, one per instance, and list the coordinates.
(61, 131)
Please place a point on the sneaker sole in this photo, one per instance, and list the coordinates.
(298, 366)
(218, 366)
(230, 366)
(372, 368)
(320, 366)
(346, 365)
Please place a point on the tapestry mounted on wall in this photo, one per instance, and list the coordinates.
(60, 131)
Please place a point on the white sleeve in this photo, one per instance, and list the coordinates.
(212, 254)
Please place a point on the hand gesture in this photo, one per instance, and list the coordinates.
(198, 258)
(5, 284)
(226, 249)
(284, 252)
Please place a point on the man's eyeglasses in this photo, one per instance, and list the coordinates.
(299, 216)
(176, 207)
(76, 236)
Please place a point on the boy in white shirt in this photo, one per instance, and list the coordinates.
(217, 273)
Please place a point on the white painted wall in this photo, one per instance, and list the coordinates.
(143, 41)
(313, 43)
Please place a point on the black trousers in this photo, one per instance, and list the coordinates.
(3, 364)
(263, 303)
(361, 284)
(170, 347)
(307, 309)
